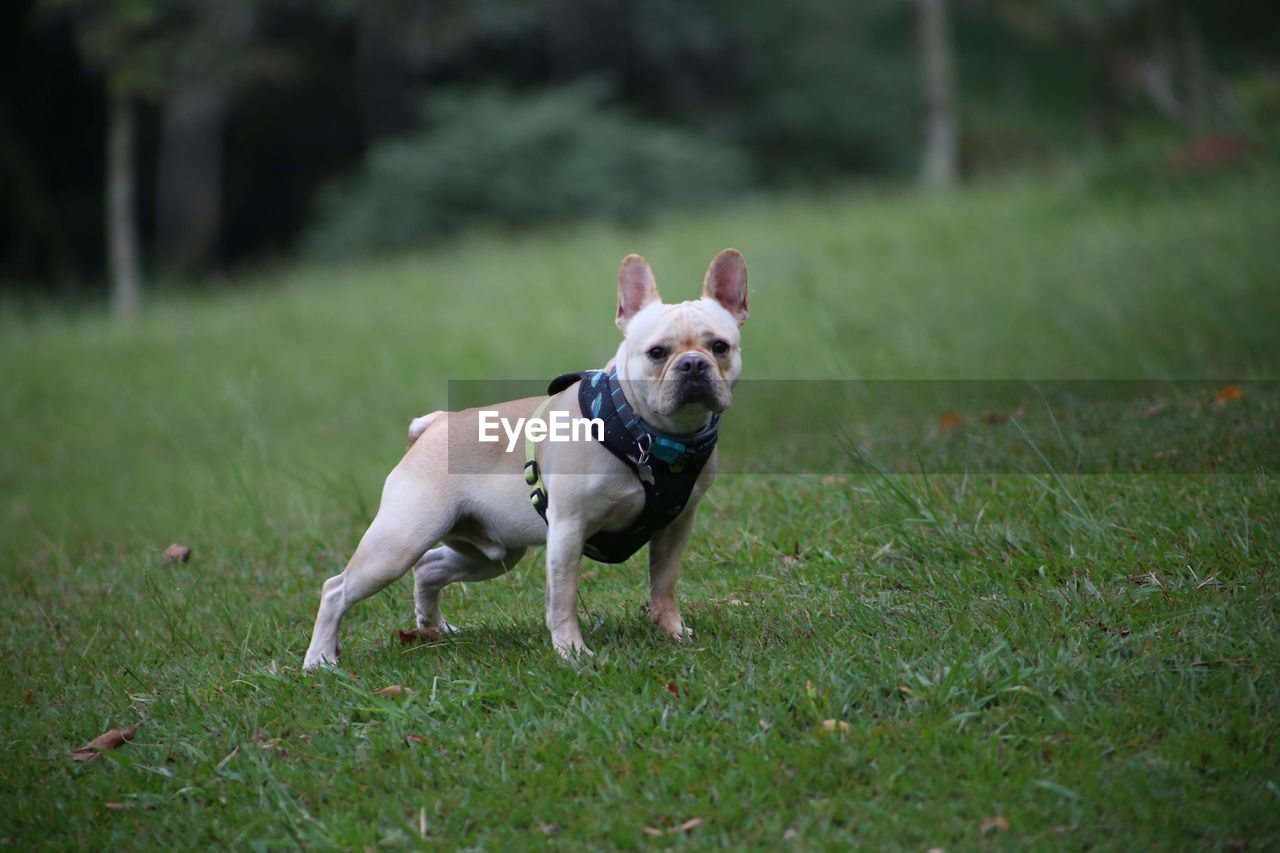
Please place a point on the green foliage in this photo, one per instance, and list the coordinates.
(827, 89)
(133, 43)
(490, 158)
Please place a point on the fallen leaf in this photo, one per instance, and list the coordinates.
(547, 829)
(413, 635)
(394, 690)
(652, 831)
(791, 834)
(109, 739)
(995, 822)
(408, 739)
(115, 807)
(949, 420)
(176, 553)
(765, 725)
(689, 825)
(789, 560)
(673, 688)
(835, 726)
(1227, 394)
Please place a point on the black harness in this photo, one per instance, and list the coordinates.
(667, 466)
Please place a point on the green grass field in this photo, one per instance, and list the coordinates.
(1039, 659)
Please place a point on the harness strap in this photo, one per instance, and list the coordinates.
(532, 474)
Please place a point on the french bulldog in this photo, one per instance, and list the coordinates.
(458, 509)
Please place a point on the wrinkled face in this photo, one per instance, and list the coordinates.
(685, 355)
(678, 363)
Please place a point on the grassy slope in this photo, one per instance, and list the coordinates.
(1093, 658)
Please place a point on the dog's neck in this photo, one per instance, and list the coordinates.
(685, 421)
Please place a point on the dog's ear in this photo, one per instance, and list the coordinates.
(636, 288)
(726, 283)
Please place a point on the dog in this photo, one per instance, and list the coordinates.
(459, 508)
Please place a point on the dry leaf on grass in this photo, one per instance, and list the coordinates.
(949, 420)
(835, 726)
(109, 739)
(789, 560)
(176, 553)
(413, 635)
(1228, 394)
(994, 823)
(408, 739)
(765, 725)
(547, 829)
(673, 688)
(688, 826)
(394, 690)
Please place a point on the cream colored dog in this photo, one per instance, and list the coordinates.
(456, 509)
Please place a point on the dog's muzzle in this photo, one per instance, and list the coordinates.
(695, 382)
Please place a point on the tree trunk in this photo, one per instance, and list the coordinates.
(1195, 70)
(122, 224)
(189, 179)
(938, 169)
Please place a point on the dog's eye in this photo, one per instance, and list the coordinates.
(719, 347)
(657, 353)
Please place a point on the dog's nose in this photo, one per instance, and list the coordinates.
(692, 365)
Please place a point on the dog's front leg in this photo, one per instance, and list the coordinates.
(564, 554)
(664, 568)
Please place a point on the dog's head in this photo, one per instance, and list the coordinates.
(678, 363)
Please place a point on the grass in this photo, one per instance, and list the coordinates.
(1091, 658)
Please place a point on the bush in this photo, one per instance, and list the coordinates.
(488, 158)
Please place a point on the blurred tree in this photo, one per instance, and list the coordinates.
(937, 79)
(131, 44)
(212, 56)
(1153, 49)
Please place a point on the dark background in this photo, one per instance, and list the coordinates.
(254, 123)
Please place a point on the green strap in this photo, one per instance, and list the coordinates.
(532, 474)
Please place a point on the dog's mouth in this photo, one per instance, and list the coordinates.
(698, 392)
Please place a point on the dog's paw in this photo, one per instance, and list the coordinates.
(680, 633)
(672, 625)
(316, 660)
(438, 625)
(572, 649)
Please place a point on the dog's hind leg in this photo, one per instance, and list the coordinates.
(407, 524)
(453, 563)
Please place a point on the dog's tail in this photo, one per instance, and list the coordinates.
(419, 425)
